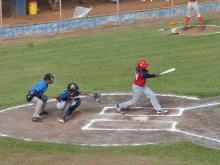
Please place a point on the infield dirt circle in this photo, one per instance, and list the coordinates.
(188, 118)
(194, 30)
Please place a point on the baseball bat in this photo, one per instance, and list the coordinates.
(168, 71)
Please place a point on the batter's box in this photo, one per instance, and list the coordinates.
(128, 125)
(141, 111)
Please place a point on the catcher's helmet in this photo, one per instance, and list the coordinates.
(142, 64)
(72, 88)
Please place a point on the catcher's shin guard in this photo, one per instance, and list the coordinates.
(77, 102)
(65, 111)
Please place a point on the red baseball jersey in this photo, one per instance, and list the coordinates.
(141, 77)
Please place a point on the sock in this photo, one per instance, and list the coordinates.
(200, 20)
(187, 22)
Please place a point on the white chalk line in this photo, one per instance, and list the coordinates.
(171, 129)
(180, 109)
(21, 106)
(202, 106)
(199, 136)
(104, 94)
(89, 127)
(103, 112)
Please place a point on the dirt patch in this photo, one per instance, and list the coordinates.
(195, 30)
(99, 124)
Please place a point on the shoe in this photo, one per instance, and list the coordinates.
(118, 108)
(37, 119)
(43, 113)
(185, 28)
(161, 111)
(201, 28)
(61, 120)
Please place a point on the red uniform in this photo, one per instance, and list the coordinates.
(141, 77)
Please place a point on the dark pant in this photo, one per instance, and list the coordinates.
(70, 107)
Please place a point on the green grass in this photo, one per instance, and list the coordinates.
(170, 153)
(105, 61)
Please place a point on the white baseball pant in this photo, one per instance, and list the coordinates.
(138, 92)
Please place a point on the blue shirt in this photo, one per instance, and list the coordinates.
(65, 96)
(39, 89)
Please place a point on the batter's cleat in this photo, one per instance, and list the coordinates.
(37, 119)
(161, 111)
(118, 108)
(61, 120)
(43, 113)
(201, 28)
(185, 28)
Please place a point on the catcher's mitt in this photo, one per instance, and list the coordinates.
(97, 97)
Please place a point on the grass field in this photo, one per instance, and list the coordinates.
(37, 153)
(105, 61)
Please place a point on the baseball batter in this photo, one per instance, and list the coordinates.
(192, 8)
(139, 88)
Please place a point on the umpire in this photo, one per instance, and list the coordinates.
(36, 96)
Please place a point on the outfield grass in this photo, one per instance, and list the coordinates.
(105, 61)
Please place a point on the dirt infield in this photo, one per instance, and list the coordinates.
(194, 30)
(99, 124)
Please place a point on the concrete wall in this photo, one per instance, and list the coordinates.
(85, 23)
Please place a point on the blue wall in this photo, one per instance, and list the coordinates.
(85, 23)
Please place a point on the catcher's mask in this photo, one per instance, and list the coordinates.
(73, 88)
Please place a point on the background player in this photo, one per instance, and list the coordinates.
(70, 100)
(192, 6)
(36, 96)
(139, 89)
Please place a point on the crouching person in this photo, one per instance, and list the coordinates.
(68, 101)
(36, 96)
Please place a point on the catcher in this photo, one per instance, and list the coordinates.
(68, 101)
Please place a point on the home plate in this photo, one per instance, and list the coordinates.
(142, 118)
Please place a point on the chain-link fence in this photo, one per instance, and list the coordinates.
(15, 12)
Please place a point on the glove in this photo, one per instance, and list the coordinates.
(29, 97)
(97, 97)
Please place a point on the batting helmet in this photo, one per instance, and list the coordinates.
(142, 64)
